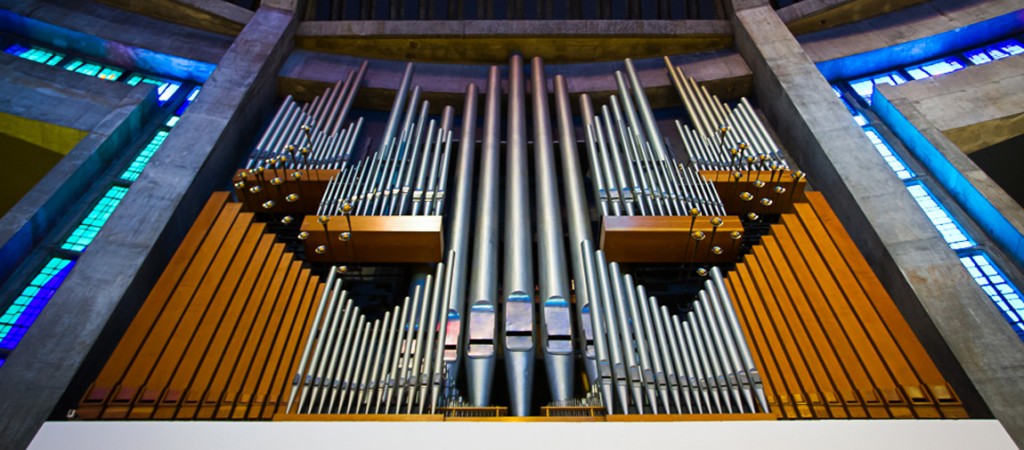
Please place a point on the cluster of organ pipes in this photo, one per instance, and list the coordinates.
(651, 362)
(553, 300)
(633, 169)
(408, 174)
(390, 366)
(404, 177)
(312, 135)
(722, 138)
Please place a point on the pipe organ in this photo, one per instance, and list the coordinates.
(591, 266)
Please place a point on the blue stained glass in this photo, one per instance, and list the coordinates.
(36, 54)
(22, 313)
(857, 116)
(951, 231)
(139, 163)
(165, 89)
(993, 52)
(895, 163)
(188, 100)
(1004, 294)
(16, 49)
(94, 70)
(87, 230)
(940, 67)
(866, 86)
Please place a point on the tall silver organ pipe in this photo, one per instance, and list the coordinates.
(459, 233)
(578, 218)
(555, 317)
(517, 280)
(483, 284)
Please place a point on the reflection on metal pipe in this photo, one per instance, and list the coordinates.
(517, 281)
(555, 324)
(458, 237)
(578, 220)
(650, 361)
(483, 286)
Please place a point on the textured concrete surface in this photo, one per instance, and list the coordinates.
(109, 114)
(988, 204)
(47, 94)
(491, 42)
(219, 17)
(134, 34)
(814, 15)
(954, 319)
(991, 92)
(113, 277)
(917, 33)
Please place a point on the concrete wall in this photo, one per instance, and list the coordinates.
(491, 41)
(120, 37)
(992, 94)
(110, 115)
(955, 320)
(114, 276)
(908, 112)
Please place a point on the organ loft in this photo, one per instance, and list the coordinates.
(709, 223)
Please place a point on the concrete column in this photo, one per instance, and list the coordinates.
(114, 276)
(924, 277)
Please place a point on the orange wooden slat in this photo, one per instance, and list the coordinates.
(783, 360)
(287, 346)
(236, 395)
(937, 387)
(150, 310)
(149, 352)
(220, 341)
(794, 337)
(253, 305)
(154, 390)
(847, 367)
(763, 359)
(277, 333)
(247, 394)
(883, 389)
(219, 292)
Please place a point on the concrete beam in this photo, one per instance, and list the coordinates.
(219, 17)
(118, 36)
(913, 34)
(952, 317)
(731, 6)
(53, 95)
(991, 92)
(109, 115)
(110, 281)
(814, 15)
(911, 120)
(492, 41)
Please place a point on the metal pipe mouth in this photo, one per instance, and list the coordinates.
(519, 322)
(519, 366)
